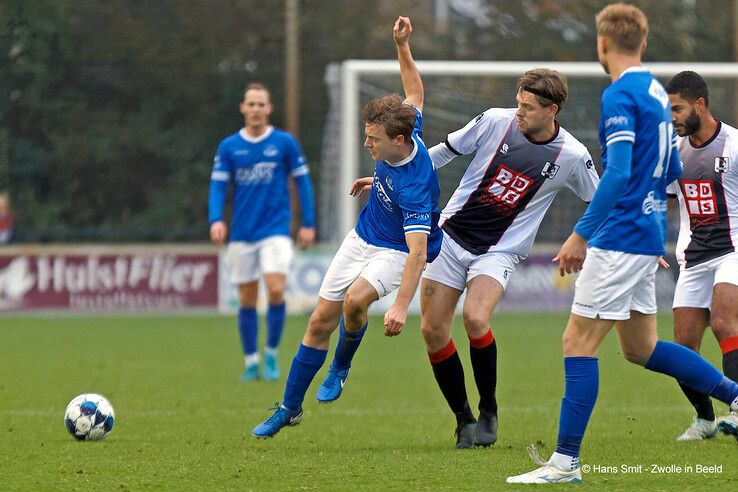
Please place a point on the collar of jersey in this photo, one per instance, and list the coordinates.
(258, 139)
(637, 68)
(406, 159)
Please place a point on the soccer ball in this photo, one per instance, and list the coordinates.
(89, 417)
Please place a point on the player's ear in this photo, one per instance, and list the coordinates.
(700, 105)
(643, 47)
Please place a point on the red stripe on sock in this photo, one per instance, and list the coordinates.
(443, 354)
(483, 341)
(729, 345)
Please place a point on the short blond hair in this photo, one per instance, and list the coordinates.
(625, 25)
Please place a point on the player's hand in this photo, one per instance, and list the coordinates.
(218, 232)
(401, 31)
(306, 237)
(361, 185)
(394, 320)
(663, 263)
(571, 255)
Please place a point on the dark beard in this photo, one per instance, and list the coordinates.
(692, 123)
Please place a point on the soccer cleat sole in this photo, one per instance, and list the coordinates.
(728, 428)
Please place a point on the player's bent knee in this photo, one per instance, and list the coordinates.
(475, 325)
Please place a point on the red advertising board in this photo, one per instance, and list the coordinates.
(135, 281)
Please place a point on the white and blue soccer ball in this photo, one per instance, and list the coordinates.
(89, 417)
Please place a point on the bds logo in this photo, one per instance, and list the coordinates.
(699, 197)
(508, 186)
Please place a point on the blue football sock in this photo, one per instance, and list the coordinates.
(248, 325)
(580, 395)
(305, 366)
(690, 369)
(275, 324)
(348, 343)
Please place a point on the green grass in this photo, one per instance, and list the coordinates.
(184, 419)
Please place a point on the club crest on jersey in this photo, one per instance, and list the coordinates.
(721, 164)
(550, 170)
(504, 149)
(390, 183)
(271, 151)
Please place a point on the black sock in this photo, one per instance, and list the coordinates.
(700, 401)
(730, 364)
(449, 375)
(484, 363)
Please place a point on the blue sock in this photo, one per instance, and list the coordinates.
(305, 366)
(248, 325)
(580, 394)
(275, 324)
(690, 369)
(348, 343)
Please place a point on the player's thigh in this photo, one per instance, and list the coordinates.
(583, 336)
(637, 337)
(383, 269)
(613, 283)
(437, 305)
(359, 296)
(725, 298)
(323, 323)
(689, 326)
(345, 267)
(275, 285)
(276, 254)
(243, 262)
(248, 293)
(725, 310)
(482, 295)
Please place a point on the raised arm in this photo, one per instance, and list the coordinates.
(411, 82)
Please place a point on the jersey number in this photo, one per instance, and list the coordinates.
(665, 131)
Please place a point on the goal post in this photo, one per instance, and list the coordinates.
(340, 212)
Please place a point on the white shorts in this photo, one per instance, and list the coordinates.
(248, 260)
(612, 284)
(381, 267)
(455, 266)
(695, 284)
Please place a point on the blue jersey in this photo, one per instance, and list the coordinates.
(258, 168)
(404, 199)
(636, 109)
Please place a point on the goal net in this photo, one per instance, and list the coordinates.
(455, 92)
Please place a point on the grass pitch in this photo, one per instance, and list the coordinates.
(183, 419)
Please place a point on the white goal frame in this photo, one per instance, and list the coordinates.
(352, 70)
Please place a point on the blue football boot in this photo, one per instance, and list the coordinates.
(332, 386)
(281, 417)
(251, 373)
(271, 369)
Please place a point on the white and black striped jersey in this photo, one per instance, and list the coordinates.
(707, 192)
(511, 182)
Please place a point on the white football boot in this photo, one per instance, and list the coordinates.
(700, 430)
(547, 473)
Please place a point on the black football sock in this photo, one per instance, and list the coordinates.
(483, 352)
(449, 374)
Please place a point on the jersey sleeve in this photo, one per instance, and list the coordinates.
(416, 204)
(220, 177)
(467, 140)
(618, 114)
(584, 178)
(295, 158)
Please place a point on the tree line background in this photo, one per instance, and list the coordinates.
(110, 111)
